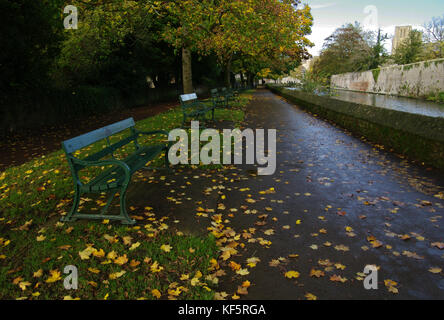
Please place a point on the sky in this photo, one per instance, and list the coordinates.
(331, 14)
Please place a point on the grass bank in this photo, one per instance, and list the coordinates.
(149, 261)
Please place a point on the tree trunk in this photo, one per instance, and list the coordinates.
(187, 76)
(228, 74)
(250, 79)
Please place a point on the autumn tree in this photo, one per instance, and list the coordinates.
(30, 37)
(270, 32)
(183, 31)
(119, 44)
(379, 53)
(348, 49)
(263, 29)
(410, 49)
(434, 38)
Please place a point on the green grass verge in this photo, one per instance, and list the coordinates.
(436, 97)
(35, 247)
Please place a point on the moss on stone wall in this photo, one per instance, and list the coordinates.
(376, 73)
(416, 136)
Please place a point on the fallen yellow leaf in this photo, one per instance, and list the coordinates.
(292, 274)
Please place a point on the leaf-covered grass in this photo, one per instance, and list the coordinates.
(35, 246)
(113, 270)
(39, 185)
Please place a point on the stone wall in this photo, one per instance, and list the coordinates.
(420, 79)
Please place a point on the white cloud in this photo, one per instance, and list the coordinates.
(322, 6)
(318, 36)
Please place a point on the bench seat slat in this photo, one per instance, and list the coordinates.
(135, 161)
(108, 150)
(142, 157)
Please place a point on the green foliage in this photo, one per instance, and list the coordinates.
(410, 49)
(30, 34)
(118, 44)
(262, 34)
(432, 50)
(313, 83)
(123, 47)
(348, 49)
(102, 65)
(437, 97)
(379, 53)
(376, 73)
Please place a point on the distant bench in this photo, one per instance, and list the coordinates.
(193, 108)
(117, 177)
(222, 98)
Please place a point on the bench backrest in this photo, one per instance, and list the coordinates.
(188, 98)
(89, 138)
(214, 93)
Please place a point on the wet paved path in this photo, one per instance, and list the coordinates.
(338, 204)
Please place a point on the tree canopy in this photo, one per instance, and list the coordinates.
(410, 49)
(126, 41)
(265, 31)
(348, 49)
(31, 31)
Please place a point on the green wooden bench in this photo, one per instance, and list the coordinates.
(218, 99)
(116, 174)
(194, 109)
(229, 96)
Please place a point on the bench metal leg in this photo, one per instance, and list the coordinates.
(167, 161)
(71, 215)
(123, 213)
(74, 214)
(108, 203)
